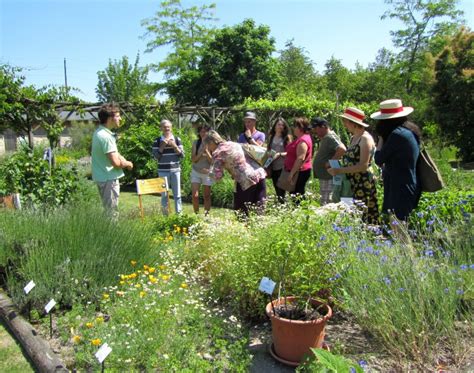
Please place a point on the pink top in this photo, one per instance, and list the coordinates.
(291, 153)
(230, 155)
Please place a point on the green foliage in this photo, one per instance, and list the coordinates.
(68, 252)
(454, 105)
(237, 63)
(185, 30)
(422, 20)
(27, 173)
(327, 362)
(296, 69)
(123, 82)
(155, 318)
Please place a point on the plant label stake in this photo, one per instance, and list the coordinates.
(29, 286)
(102, 353)
(48, 308)
(267, 286)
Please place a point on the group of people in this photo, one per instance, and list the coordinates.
(291, 152)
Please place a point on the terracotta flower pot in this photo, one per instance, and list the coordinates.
(293, 339)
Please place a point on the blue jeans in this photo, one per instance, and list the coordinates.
(174, 182)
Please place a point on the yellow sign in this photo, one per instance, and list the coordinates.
(151, 186)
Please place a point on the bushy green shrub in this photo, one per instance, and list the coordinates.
(25, 172)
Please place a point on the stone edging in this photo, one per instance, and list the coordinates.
(37, 349)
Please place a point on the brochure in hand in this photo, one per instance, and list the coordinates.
(336, 180)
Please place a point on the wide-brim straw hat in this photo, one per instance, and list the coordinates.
(354, 115)
(392, 108)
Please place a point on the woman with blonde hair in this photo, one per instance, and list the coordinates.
(357, 163)
(228, 155)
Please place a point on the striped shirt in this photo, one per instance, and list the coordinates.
(168, 160)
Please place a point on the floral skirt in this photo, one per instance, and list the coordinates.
(364, 190)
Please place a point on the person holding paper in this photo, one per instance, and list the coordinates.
(247, 173)
(357, 164)
(330, 148)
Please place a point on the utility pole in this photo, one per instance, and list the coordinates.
(65, 74)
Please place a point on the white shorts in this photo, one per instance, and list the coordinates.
(200, 178)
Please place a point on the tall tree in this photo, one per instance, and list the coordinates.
(339, 80)
(296, 69)
(122, 81)
(453, 93)
(422, 19)
(185, 30)
(236, 64)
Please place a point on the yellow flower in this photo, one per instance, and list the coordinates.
(184, 285)
(133, 275)
(145, 267)
(96, 342)
(165, 277)
(123, 277)
(133, 263)
(105, 296)
(162, 267)
(138, 286)
(152, 279)
(151, 269)
(142, 294)
(76, 339)
(99, 320)
(89, 325)
(122, 282)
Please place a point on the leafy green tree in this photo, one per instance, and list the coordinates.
(296, 69)
(453, 93)
(122, 81)
(185, 30)
(423, 19)
(236, 64)
(339, 80)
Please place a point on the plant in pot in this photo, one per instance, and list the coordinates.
(298, 320)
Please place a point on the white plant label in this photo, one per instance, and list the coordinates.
(30, 285)
(103, 352)
(267, 285)
(50, 305)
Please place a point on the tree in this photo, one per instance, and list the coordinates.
(124, 82)
(296, 69)
(184, 30)
(453, 93)
(339, 80)
(236, 64)
(423, 19)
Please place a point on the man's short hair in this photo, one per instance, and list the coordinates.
(319, 122)
(107, 111)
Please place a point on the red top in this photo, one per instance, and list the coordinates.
(291, 153)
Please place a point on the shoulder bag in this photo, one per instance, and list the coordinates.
(429, 177)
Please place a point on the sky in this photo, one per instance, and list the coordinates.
(37, 35)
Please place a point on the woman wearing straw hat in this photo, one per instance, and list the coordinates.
(397, 152)
(357, 160)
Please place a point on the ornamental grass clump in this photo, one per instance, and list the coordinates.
(415, 298)
(69, 253)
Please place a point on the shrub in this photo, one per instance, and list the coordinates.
(25, 172)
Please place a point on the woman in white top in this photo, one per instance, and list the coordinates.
(201, 160)
(279, 137)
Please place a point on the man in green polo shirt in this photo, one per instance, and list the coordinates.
(107, 163)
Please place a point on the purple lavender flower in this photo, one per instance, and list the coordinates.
(387, 281)
(463, 267)
(459, 292)
(446, 290)
(429, 253)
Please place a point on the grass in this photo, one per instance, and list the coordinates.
(12, 359)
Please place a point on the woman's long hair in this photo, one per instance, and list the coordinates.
(199, 140)
(385, 127)
(214, 137)
(285, 133)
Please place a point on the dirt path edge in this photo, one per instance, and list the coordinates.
(36, 348)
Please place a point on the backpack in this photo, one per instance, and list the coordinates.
(429, 177)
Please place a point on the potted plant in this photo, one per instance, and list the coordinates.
(300, 311)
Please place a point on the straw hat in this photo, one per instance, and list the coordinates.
(354, 115)
(392, 108)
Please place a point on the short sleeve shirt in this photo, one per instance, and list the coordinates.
(257, 136)
(103, 142)
(327, 148)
